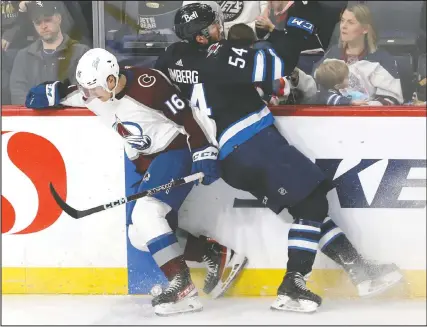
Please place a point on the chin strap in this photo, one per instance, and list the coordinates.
(113, 91)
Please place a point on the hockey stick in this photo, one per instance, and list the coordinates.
(77, 214)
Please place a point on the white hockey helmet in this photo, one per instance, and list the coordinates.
(93, 69)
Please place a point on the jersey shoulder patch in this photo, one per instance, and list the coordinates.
(144, 77)
(213, 49)
(150, 87)
(144, 86)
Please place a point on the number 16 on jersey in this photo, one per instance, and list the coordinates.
(198, 100)
(175, 104)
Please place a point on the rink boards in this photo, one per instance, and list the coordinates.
(376, 156)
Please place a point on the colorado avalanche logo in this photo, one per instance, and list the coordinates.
(133, 134)
(146, 81)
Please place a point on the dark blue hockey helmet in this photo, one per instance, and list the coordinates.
(195, 19)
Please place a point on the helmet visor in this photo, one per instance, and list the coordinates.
(94, 92)
(217, 29)
(219, 22)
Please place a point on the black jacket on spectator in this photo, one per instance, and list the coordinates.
(331, 98)
(15, 25)
(10, 16)
(422, 31)
(31, 67)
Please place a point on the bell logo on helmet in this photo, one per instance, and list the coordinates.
(189, 18)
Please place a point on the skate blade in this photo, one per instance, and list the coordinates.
(285, 303)
(188, 305)
(231, 272)
(381, 284)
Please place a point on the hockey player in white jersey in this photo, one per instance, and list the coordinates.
(164, 141)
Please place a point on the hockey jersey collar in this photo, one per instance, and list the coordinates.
(129, 80)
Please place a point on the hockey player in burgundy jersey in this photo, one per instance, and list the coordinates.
(165, 142)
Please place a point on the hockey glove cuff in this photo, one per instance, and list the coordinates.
(205, 161)
(44, 95)
(303, 17)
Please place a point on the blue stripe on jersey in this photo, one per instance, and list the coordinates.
(242, 130)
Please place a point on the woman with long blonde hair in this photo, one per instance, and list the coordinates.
(374, 75)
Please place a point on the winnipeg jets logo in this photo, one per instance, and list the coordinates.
(133, 134)
(213, 49)
(146, 81)
(231, 9)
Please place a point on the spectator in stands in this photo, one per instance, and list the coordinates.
(332, 76)
(53, 57)
(373, 72)
(10, 22)
(284, 90)
(421, 41)
(14, 25)
(419, 96)
(236, 12)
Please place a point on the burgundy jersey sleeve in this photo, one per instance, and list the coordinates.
(153, 89)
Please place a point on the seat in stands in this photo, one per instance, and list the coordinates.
(406, 73)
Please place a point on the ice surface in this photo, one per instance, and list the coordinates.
(136, 310)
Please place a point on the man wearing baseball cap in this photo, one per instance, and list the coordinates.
(52, 57)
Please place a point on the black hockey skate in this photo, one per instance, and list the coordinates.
(371, 278)
(293, 295)
(179, 297)
(223, 265)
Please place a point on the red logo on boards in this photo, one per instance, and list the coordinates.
(30, 162)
